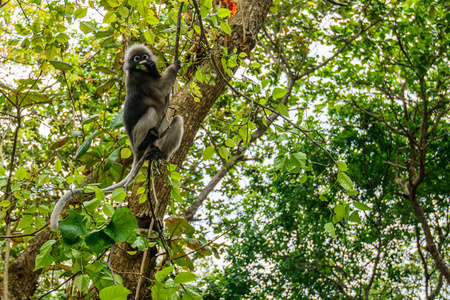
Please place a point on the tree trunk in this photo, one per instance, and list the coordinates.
(249, 17)
(22, 281)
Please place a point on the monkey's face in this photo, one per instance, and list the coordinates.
(139, 57)
(139, 61)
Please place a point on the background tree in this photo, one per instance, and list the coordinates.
(386, 102)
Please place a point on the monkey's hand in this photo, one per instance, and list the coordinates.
(150, 65)
(177, 64)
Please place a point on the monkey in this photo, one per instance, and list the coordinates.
(146, 102)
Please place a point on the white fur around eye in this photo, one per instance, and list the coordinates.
(136, 58)
(145, 56)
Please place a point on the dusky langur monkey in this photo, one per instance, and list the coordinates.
(144, 119)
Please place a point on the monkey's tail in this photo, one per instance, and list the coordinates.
(126, 181)
(68, 196)
(59, 206)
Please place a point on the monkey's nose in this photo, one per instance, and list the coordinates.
(142, 61)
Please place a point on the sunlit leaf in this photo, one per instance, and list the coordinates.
(61, 65)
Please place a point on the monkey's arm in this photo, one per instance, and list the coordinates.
(165, 83)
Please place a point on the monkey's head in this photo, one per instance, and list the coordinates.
(137, 57)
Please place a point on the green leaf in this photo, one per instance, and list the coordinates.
(256, 65)
(207, 3)
(80, 12)
(301, 158)
(61, 65)
(110, 17)
(283, 109)
(86, 27)
(323, 198)
(225, 27)
(113, 3)
(85, 145)
(125, 153)
(111, 159)
(223, 13)
(98, 241)
(280, 162)
(118, 195)
(58, 165)
(104, 87)
(176, 175)
(99, 194)
(361, 206)
(354, 217)
(82, 282)
(199, 76)
(91, 205)
(223, 152)
(5, 203)
(44, 259)
(345, 181)
(108, 210)
(340, 210)
(177, 226)
(208, 153)
(114, 292)
(161, 274)
(124, 11)
(184, 277)
(73, 227)
(243, 132)
(21, 173)
(329, 227)
(122, 226)
(149, 36)
(25, 222)
(352, 192)
(175, 194)
(342, 166)
(278, 92)
(140, 242)
(190, 294)
(230, 143)
(171, 167)
(62, 37)
(152, 20)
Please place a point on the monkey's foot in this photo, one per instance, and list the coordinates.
(154, 154)
(178, 64)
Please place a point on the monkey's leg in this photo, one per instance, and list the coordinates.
(145, 132)
(170, 140)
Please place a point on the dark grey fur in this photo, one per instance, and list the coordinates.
(147, 99)
(144, 118)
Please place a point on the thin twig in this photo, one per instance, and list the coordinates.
(209, 243)
(14, 236)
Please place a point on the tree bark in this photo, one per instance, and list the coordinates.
(23, 281)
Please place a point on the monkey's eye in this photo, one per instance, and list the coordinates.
(145, 56)
(136, 58)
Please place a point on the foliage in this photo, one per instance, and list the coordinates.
(330, 143)
(376, 98)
